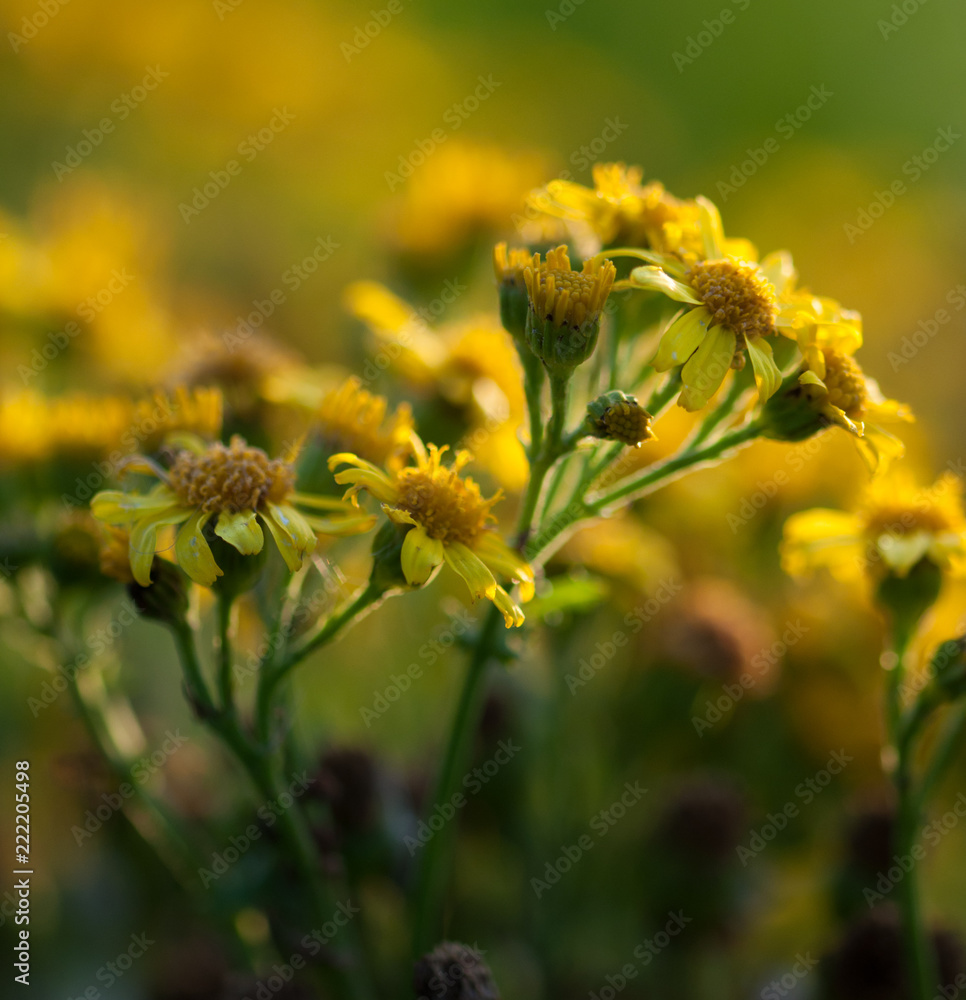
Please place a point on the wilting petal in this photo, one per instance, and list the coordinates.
(292, 533)
(116, 507)
(681, 339)
(194, 552)
(420, 556)
(657, 280)
(767, 376)
(707, 367)
(512, 612)
(144, 540)
(471, 568)
(503, 560)
(242, 530)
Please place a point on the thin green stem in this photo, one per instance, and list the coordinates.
(431, 887)
(533, 379)
(270, 677)
(225, 676)
(643, 484)
(944, 752)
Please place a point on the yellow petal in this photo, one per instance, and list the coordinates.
(471, 568)
(117, 507)
(421, 556)
(242, 530)
(193, 552)
(707, 367)
(291, 532)
(500, 558)
(144, 540)
(656, 280)
(823, 538)
(512, 612)
(681, 339)
(767, 376)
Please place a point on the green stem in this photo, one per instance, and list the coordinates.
(724, 409)
(636, 488)
(270, 677)
(903, 732)
(431, 886)
(225, 676)
(533, 377)
(944, 752)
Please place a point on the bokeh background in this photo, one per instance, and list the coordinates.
(407, 156)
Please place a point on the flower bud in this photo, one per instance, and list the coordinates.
(616, 416)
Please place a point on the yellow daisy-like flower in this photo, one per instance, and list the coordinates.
(895, 526)
(731, 305)
(472, 365)
(621, 211)
(835, 386)
(351, 419)
(239, 485)
(450, 522)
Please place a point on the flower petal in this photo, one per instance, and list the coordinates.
(193, 551)
(681, 339)
(500, 558)
(242, 530)
(471, 568)
(117, 507)
(292, 533)
(767, 376)
(144, 540)
(420, 556)
(656, 280)
(707, 367)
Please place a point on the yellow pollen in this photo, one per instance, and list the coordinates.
(846, 385)
(564, 296)
(231, 478)
(627, 422)
(449, 508)
(737, 296)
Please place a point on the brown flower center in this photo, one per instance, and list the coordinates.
(449, 508)
(846, 385)
(737, 296)
(231, 478)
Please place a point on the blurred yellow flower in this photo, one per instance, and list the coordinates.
(240, 485)
(450, 523)
(472, 365)
(896, 525)
(351, 419)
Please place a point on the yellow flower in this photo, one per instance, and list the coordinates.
(472, 365)
(351, 419)
(835, 386)
(463, 191)
(449, 521)
(621, 211)
(895, 526)
(731, 306)
(34, 427)
(238, 484)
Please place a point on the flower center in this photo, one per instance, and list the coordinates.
(736, 295)
(564, 296)
(626, 421)
(449, 508)
(846, 385)
(233, 478)
(907, 519)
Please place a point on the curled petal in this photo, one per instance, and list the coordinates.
(193, 551)
(681, 339)
(292, 533)
(420, 556)
(144, 540)
(242, 530)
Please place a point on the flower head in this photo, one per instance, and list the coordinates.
(896, 525)
(565, 307)
(731, 306)
(615, 416)
(351, 419)
(238, 487)
(449, 521)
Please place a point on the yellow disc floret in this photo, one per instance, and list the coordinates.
(564, 296)
(737, 295)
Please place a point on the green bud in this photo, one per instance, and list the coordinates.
(617, 416)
